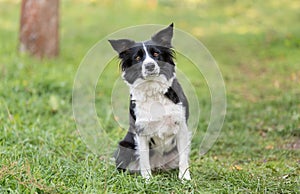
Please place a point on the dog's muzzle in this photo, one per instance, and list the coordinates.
(150, 69)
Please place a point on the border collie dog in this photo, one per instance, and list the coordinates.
(158, 136)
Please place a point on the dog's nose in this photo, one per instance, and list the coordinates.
(149, 66)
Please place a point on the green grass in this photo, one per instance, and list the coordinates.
(256, 45)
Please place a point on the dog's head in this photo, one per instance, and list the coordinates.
(147, 60)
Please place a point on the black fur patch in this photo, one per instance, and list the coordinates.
(171, 94)
(131, 109)
(125, 152)
(128, 141)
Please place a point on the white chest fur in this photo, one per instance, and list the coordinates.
(156, 115)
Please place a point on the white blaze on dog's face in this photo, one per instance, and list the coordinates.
(149, 65)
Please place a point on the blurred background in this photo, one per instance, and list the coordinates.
(255, 43)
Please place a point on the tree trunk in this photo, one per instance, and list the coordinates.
(39, 28)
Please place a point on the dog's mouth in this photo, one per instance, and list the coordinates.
(151, 75)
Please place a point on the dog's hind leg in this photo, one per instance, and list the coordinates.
(126, 152)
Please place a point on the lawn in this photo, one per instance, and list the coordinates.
(256, 45)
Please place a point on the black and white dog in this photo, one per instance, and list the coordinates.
(158, 136)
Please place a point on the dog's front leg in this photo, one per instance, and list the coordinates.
(183, 146)
(145, 167)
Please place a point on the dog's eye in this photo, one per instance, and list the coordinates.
(137, 58)
(155, 54)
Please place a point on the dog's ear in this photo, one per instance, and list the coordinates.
(121, 44)
(164, 37)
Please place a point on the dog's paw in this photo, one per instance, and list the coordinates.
(146, 175)
(185, 176)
